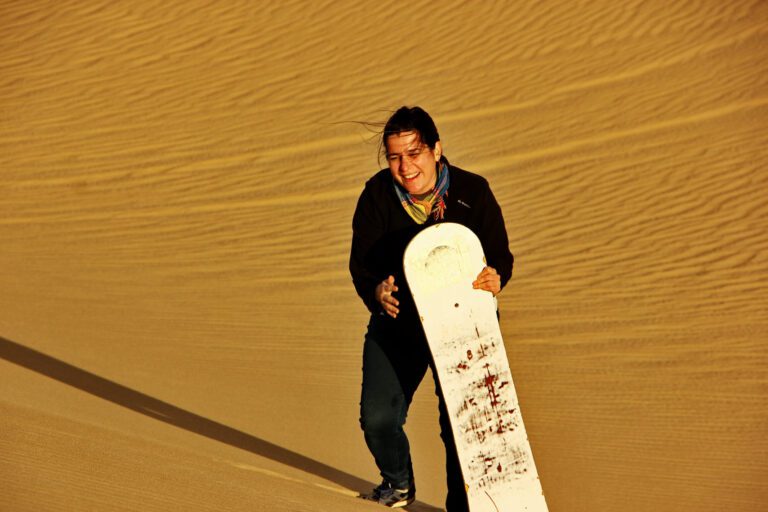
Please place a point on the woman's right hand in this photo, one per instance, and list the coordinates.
(384, 296)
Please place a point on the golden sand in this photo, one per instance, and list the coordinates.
(178, 329)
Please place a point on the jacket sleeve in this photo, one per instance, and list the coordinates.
(367, 228)
(493, 236)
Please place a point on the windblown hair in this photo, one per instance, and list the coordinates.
(410, 119)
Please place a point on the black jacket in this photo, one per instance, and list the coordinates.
(381, 230)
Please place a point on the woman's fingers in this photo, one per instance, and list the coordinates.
(488, 280)
(384, 295)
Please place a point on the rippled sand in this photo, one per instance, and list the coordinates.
(178, 330)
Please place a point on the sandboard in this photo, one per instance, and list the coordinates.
(462, 330)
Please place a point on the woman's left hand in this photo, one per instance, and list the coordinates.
(488, 280)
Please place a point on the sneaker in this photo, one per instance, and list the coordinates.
(388, 496)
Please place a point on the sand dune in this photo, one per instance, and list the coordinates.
(178, 330)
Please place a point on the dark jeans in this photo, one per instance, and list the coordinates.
(393, 367)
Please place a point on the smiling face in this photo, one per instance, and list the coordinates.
(412, 163)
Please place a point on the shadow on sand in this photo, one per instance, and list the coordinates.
(165, 412)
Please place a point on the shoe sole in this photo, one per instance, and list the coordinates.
(401, 504)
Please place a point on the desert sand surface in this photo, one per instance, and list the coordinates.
(178, 328)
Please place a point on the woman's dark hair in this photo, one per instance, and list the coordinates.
(410, 119)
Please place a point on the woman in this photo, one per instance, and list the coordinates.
(418, 189)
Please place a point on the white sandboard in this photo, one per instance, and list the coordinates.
(462, 330)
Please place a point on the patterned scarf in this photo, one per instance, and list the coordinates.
(433, 204)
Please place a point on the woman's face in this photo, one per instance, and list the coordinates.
(412, 163)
